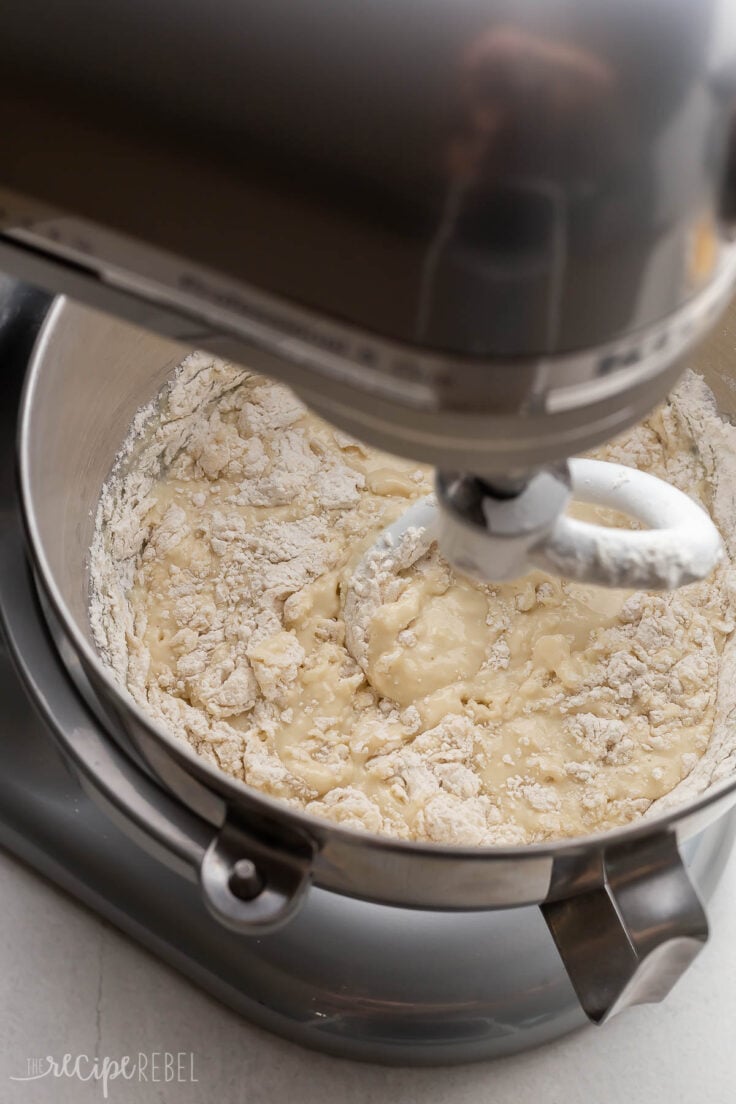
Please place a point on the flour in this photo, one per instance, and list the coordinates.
(376, 580)
(445, 711)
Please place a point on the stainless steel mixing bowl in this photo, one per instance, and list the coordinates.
(620, 906)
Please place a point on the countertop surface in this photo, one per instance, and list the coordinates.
(74, 985)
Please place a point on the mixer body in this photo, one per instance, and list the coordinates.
(479, 234)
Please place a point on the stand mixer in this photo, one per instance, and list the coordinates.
(481, 235)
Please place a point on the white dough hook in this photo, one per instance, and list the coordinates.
(504, 540)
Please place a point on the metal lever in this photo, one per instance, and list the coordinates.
(630, 937)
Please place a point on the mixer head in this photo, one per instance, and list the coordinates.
(482, 235)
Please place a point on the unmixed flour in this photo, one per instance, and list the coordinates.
(221, 598)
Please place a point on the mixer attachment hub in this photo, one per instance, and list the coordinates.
(486, 531)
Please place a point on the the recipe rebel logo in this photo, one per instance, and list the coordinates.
(156, 1067)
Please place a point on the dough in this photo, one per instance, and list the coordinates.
(454, 712)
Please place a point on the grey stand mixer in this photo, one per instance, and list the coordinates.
(480, 235)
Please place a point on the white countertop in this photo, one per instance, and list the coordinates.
(72, 984)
